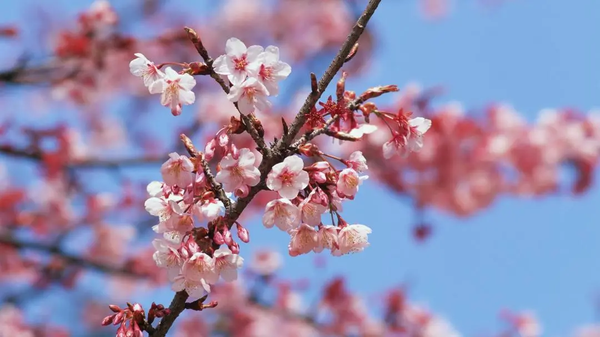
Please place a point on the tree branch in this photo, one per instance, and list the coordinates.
(178, 302)
(71, 259)
(331, 71)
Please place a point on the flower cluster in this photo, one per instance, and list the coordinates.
(254, 73)
(182, 199)
(175, 88)
(306, 193)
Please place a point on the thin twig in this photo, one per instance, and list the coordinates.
(258, 139)
(331, 71)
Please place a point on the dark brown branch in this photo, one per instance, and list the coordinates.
(82, 163)
(215, 186)
(69, 258)
(331, 71)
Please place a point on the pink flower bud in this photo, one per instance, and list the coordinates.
(319, 177)
(108, 320)
(235, 152)
(209, 149)
(243, 233)
(223, 139)
(218, 238)
(242, 191)
(114, 308)
(227, 238)
(234, 247)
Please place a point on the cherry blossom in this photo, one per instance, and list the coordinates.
(357, 161)
(412, 140)
(167, 256)
(144, 68)
(250, 95)
(311, 211)
(288, 177)
(200, 268)
(177, 171)
(209, 209)
(175, 90)
(194, 288)
(327, 238)
(352, 239)
(303, 240)
(269, 70)
(237, 61)
(348, 182)
(281, 213)
(240, 172)
(227, 263)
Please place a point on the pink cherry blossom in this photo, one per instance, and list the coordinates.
(194, 288)
(209, 209)
(176, 89)
(411, 141)
(227, 263)
(200, 266)
(144, 68)
(177, 170)
(352, 239)
(311, 211)
(303, 240)
(269, 70)
(348, 182)
(237, 60)
(281, 213)
(167, 256)
(288, 177)
(327, 238)
(357, 161)
(162, 208)
(236, 173)
(175, 228)
(250, 95)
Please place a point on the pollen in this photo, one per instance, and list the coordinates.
(240, 64)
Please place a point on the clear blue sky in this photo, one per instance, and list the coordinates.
(520, 254)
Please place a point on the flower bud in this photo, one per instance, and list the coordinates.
(227, 238)
(234, 247)
(218, 238)
(243, 233)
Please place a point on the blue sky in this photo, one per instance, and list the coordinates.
(538, 254)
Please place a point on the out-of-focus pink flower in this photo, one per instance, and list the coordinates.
(266, 262)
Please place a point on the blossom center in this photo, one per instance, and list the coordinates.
(287, 178)
(351, 181)
(240, 63)
(266, 73)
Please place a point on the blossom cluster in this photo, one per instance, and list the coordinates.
(306, 193)
(182, 199)
(254, 73)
